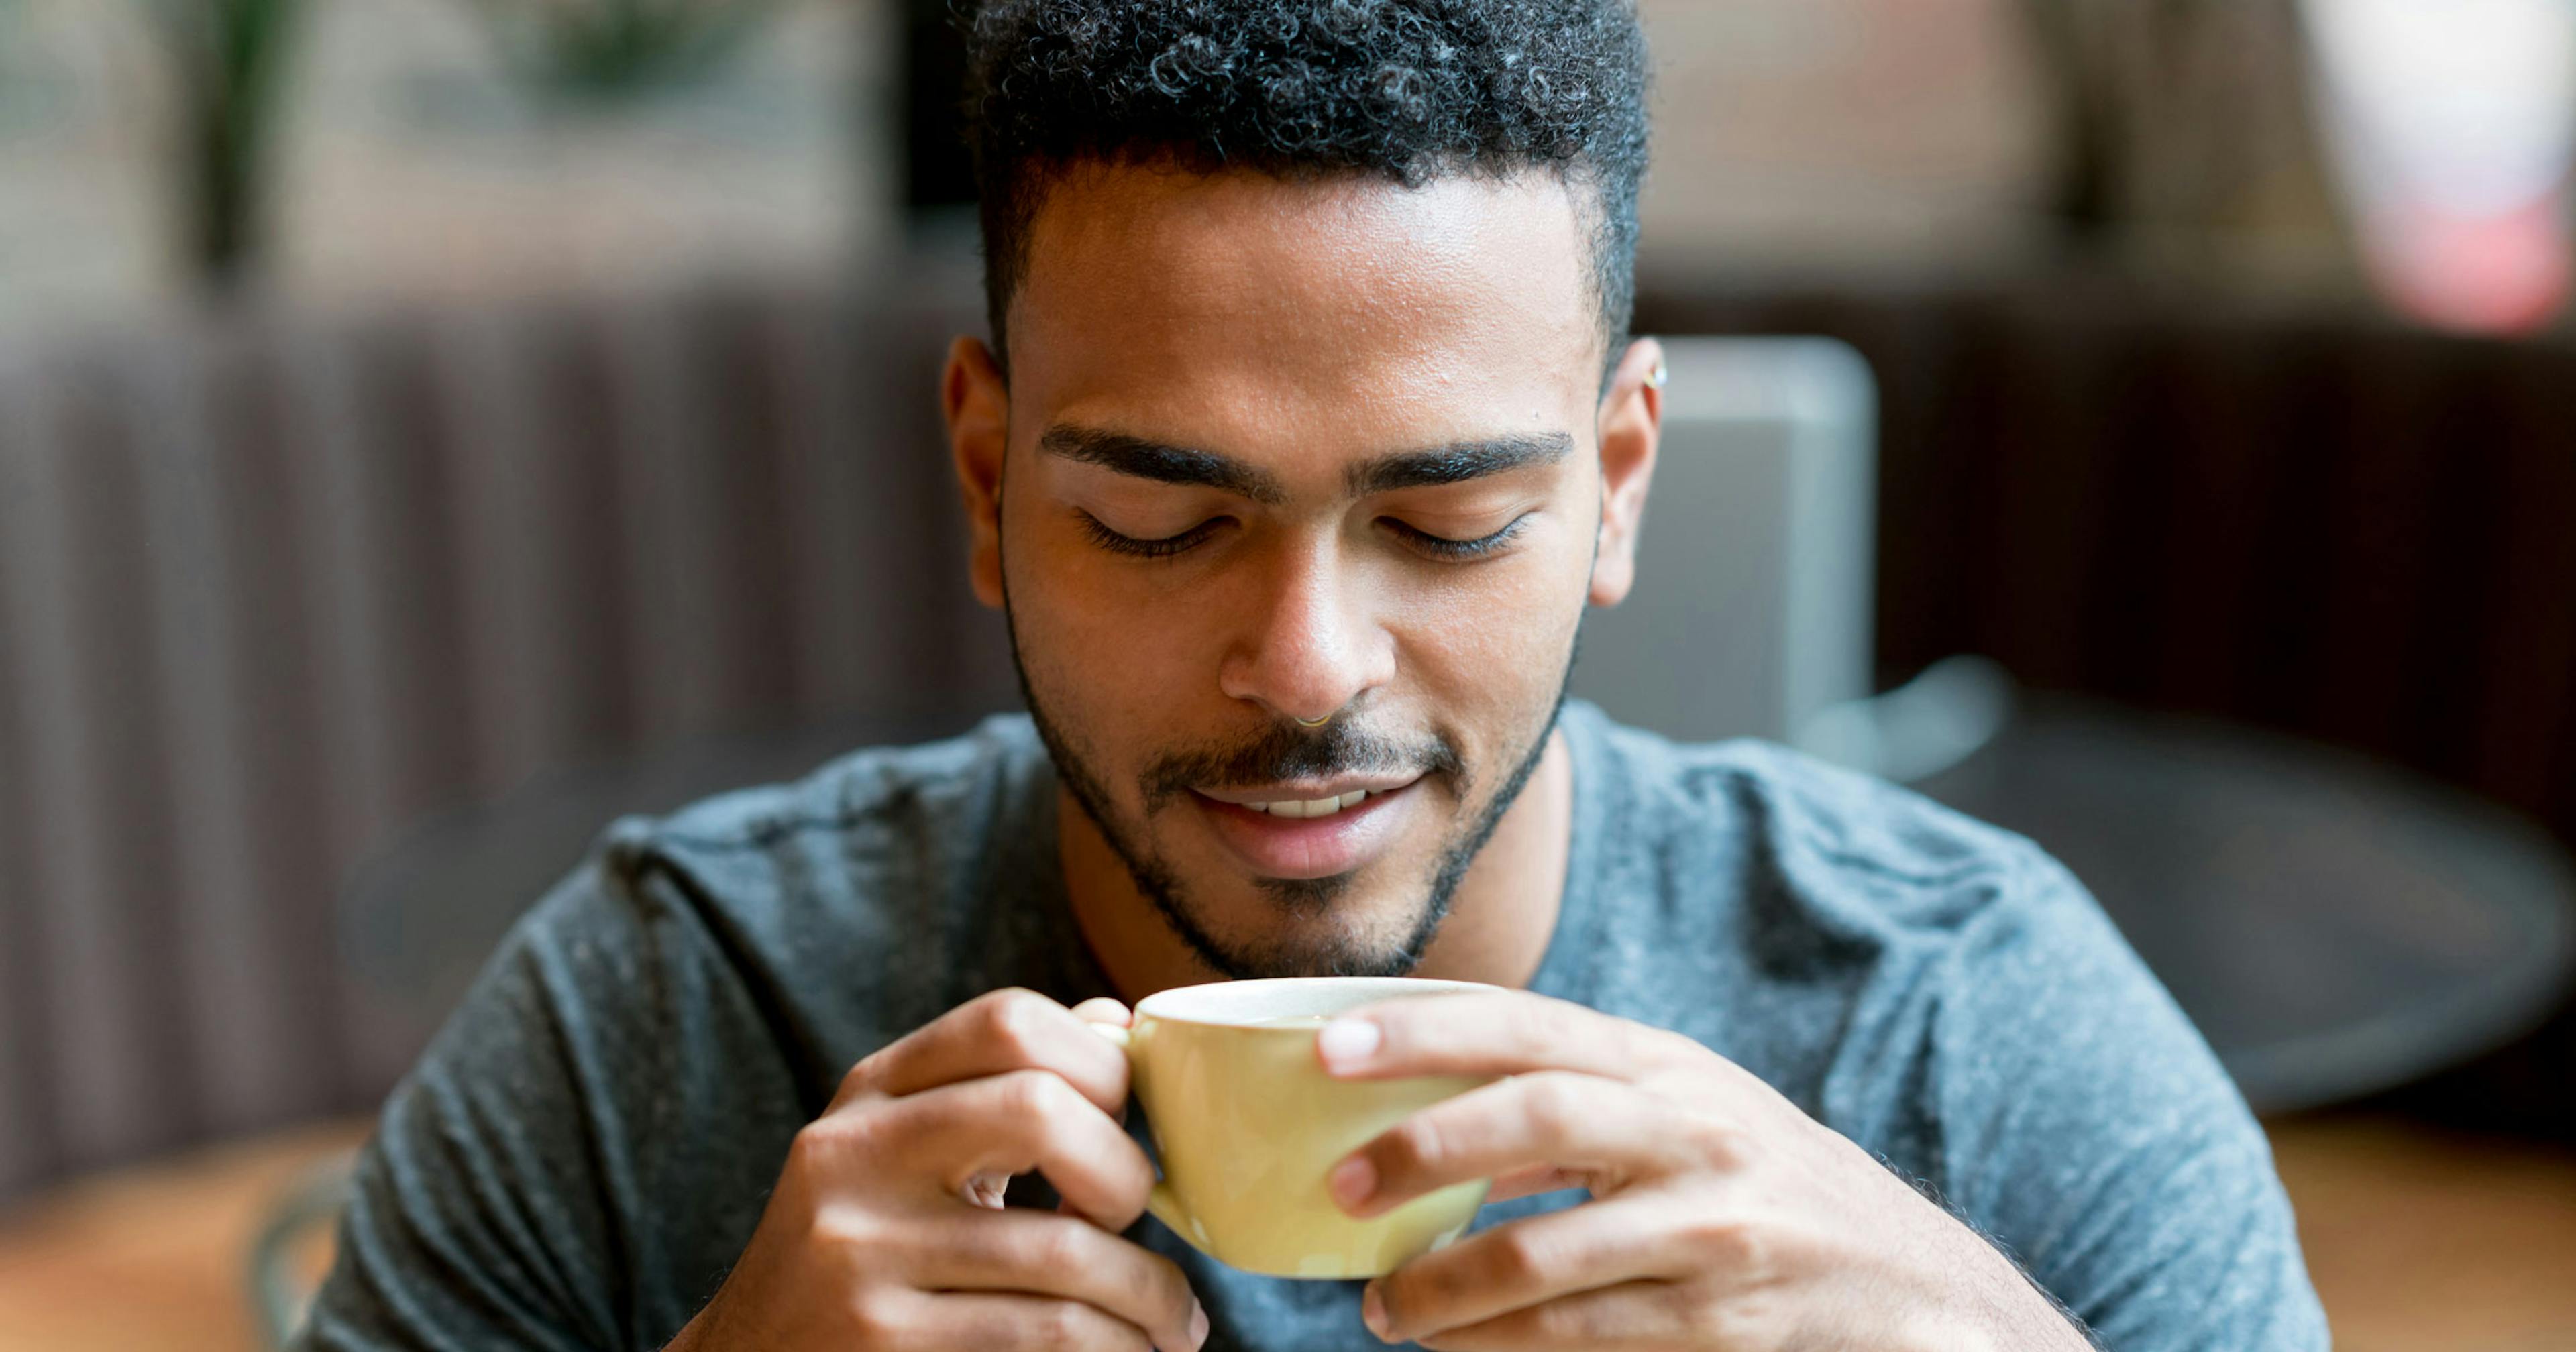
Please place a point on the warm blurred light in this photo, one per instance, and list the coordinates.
(2451, 125)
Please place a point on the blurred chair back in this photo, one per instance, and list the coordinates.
(1751, 610)
(271, 590)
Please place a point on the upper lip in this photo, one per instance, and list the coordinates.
(1309, 790)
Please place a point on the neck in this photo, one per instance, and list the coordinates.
(1500, 918)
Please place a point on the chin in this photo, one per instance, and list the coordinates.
(1318, 927)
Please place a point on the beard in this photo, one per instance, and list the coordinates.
(1287, 750)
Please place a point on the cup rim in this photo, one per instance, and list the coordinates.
(1342, 993)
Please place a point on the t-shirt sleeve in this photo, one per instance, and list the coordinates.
(501, 1203)
(2088, 1127)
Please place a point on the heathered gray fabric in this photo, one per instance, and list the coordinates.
(586, 1148)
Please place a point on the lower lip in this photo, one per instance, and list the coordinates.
(1309, 847)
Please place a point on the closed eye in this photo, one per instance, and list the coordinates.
(1459, 551)
(1162, 548)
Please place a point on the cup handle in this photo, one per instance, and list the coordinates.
(1161, 1203)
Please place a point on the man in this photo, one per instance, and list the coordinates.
(1309, 427)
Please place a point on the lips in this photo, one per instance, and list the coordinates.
(1308, 831)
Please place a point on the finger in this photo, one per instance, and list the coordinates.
(1040, 1254)
(1600, 1129)
(1027, 1119)
(994, 1034)
(1505, 1033)
(1009, 1322)
(1525, 1263)
(1102, 1009)
(1632, 1314)
(1531, 1181)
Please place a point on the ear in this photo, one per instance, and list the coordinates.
(978, 407)
(1632, 418)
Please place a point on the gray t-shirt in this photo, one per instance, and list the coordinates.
(586, 1148)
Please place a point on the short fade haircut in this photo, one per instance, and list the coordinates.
(1409, 90)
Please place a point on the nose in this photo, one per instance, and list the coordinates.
(1310, 644)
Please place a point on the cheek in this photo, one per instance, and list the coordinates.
(1493, 655)
(1089, 638)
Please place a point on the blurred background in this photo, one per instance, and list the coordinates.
(430, 428)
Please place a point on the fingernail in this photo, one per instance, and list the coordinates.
(1198, 1326)
(1373, 1313)
(1347, 1042)
(1353, 1180)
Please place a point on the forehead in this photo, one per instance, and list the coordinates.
(1241, 310)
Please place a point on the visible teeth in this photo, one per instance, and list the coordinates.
(1314, 807)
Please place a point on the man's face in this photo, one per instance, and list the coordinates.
(1300, 499)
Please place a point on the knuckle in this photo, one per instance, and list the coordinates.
(1055, 1248)
(820, 1146)
(1724, 1242)
(1015, 1021)
(1713, 1141)
(1520, 1256)
(839, 1229)
(1423, 1143)
(1533, 1027)
(1556, 1102)
(1037, 1094)
(862, 1078)
(877, 1320)
(1566, 1322)
(1064, 1323)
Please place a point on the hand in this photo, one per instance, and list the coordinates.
(886, 1230)
(1723, 1217)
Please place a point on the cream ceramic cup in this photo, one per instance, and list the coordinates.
(1248, 1125)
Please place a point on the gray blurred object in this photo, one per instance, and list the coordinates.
(1752, 608)
(273, 593)
(2334, 926)
(1752, 612)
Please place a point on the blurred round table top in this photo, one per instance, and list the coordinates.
(2335, 927)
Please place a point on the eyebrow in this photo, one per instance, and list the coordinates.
(1429, 467)
(1457, 462)
(1144, 459)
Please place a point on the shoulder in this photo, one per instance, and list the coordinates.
(1805, 839)
(870, 791)
(1983, 1025)
(902, 814)
(794, 897)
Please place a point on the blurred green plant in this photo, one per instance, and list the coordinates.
(230, 60)
(615, 51)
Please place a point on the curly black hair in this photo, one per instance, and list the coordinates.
(1407, 89)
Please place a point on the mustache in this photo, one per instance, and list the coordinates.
(1290, 751)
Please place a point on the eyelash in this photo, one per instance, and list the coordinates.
(1437, 546)
(1442, 547)
(1163, 548)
